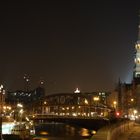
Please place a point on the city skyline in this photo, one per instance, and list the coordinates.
(68, 44)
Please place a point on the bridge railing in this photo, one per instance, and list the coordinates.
(45, 116)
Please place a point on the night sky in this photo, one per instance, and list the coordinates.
(68, 44)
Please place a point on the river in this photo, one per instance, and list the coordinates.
(61, 131)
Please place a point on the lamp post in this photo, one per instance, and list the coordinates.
(2, 92)
(115, 104)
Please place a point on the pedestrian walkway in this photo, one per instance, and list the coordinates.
(131, 134)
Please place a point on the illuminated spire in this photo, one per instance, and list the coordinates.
(77, 90)
(139, 28)
(137, 54)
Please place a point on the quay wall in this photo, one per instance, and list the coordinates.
(113, 131)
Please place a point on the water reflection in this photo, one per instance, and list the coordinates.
(60, 131)
(85, 132)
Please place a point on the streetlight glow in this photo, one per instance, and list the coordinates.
(114, 102)
(96, 98)
(19, 105)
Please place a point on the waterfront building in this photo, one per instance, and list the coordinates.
(24, 97)
(123, 99)
(136, 75)
(128, 94)
(74, 105)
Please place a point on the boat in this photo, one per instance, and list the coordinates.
(21, 130)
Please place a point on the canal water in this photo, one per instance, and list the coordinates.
(61, 131)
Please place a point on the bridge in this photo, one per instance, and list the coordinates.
(74, 105)
(106, 129)
(85, 109)
(86, 122)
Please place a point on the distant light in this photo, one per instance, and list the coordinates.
(77, 90)
(44, 133)
(114, 102)
(73, 107)
(86, 101)
(74, 114)
(45, 103)
(21, 111)
(93, 132)
(96, 98)
(19, 105)
(41, 82)
(1, 86)
(117, 113)
(27, 118)
(3, 92)
(135, 111)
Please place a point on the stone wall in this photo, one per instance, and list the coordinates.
(112, 132)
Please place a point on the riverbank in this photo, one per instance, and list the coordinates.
(131, 134)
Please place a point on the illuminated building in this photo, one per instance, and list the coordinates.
(129, 93)
(74, 105)
(137, 55)
(123, 98)
(136, 76)
(24, 97)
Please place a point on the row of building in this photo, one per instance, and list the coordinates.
(124, 99)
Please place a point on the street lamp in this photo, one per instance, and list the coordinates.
(19, 105)
(115, 104)
(96, 99)
(135, 112)
(86, 101)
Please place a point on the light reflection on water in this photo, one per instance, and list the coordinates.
(60, 131)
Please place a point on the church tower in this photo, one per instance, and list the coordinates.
(136, 76)
(137, 54)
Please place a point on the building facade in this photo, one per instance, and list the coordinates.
(74, 105)
(24, 97)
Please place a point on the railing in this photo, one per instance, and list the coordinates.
(45, 116)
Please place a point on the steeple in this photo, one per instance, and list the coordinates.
(139, 29)
(137, 54)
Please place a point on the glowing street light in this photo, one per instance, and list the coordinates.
(19, 105)
(45, 102)
(115, 104)
(96, 99)
(86, 101)
(135, 112)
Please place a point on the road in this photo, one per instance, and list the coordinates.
(131, 134)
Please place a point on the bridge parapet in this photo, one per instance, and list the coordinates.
(86, 122)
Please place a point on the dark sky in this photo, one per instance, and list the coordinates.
(68, 44)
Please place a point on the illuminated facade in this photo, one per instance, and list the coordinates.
(74, 105)
(137, 60)
(24, 97)
(137, 55)
(136, 78)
